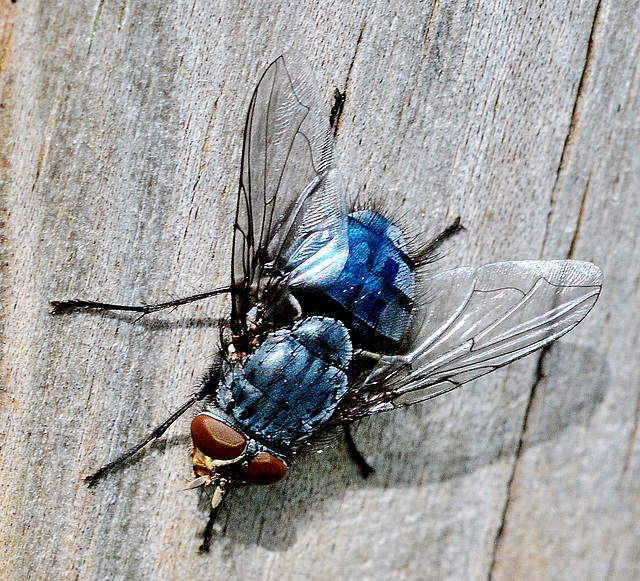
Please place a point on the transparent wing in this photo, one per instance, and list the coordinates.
(291, 214)
(477, 321)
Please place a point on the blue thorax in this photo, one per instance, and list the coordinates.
(374, 292)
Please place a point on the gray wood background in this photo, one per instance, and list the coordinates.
(120, 135)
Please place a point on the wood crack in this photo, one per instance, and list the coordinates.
(539, 376)
(336, 121)
(122, 13)
(576, 232)
(94, 26)
(577, 104)
(427, 34)
(575, 113)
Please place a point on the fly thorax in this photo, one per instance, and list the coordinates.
(374, 292)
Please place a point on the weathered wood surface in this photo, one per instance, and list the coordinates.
(120, 129)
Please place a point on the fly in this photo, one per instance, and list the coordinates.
(327, 322)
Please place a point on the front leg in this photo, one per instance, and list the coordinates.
(72, 304)
(207, 388)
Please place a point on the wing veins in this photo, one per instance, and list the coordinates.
(464, 339)
(531, 327)
(256, 270)
(271, 202)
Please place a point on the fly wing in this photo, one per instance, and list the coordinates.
(291, 215)
(477, 321)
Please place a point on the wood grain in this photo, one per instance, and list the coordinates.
(120, 135)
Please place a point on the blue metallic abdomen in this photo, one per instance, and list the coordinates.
(374, 292)
(288, 387)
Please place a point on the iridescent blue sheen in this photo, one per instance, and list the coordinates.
(288, 387)
(376, 287)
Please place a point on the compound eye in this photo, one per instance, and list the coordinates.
(216, 439)
(265, 468)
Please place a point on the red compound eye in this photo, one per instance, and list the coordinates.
(265, 468)
(216, 439)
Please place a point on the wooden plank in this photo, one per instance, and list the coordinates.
(120, 145)
(573, 502)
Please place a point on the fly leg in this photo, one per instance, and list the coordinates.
(72, 304)
(426, 252)
(207, 534)
(199, 395)
(208, 530)
(365, 468)
(363, 361)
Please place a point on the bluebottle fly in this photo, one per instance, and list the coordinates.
(327, 324)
